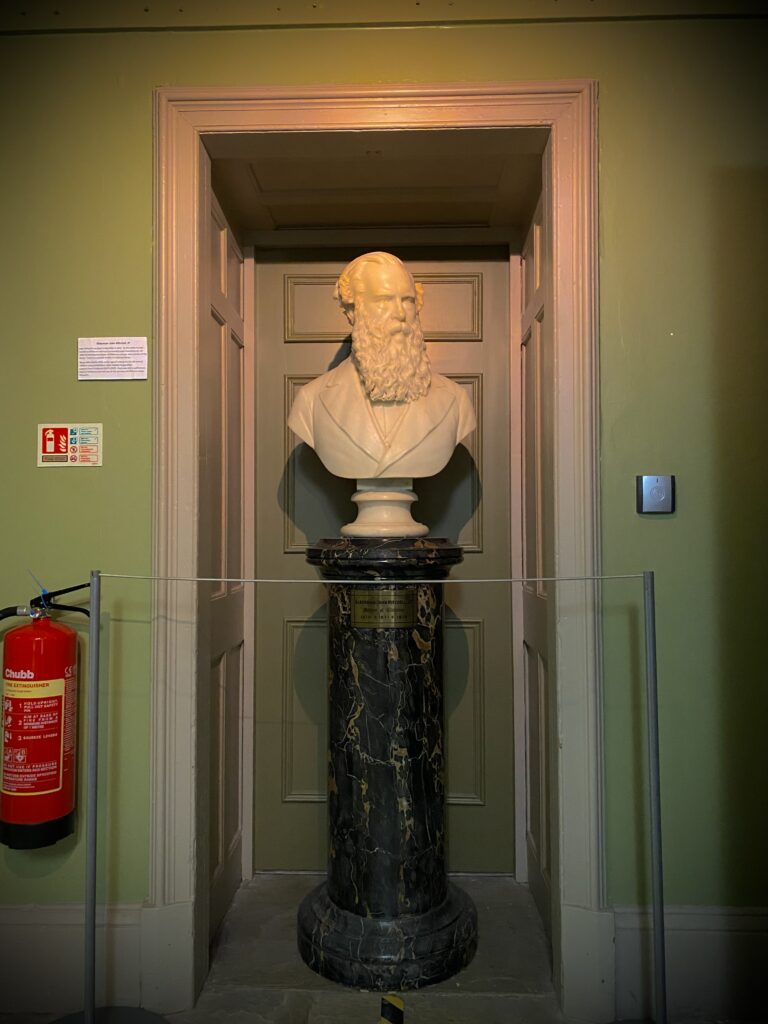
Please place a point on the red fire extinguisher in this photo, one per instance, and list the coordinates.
(37, 793)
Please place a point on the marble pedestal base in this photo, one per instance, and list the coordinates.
(387, 954)
(387, 917)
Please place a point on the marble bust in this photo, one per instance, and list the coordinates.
(382, 416)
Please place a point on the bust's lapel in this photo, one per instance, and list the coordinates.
(420, 419)
(346, 404)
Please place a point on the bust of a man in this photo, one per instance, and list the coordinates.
(382, 413)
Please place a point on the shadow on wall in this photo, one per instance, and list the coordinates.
(740, 410)
(316, 503)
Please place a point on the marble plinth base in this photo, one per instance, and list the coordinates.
(386, 918)
(387, 954)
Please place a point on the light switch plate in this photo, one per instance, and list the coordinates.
(655, 494)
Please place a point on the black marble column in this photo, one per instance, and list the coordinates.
(387, 917)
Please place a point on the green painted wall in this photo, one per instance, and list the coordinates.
(684, 189)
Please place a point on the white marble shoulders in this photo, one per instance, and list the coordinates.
(339, 393)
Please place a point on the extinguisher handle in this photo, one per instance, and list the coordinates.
(66, 608)
(44, 600)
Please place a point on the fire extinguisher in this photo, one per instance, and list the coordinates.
(39, 696)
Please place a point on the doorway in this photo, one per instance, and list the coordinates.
(184, 116)
(466, 322)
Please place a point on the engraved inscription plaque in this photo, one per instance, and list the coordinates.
(384, 607)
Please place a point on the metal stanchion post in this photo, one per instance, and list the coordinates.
(91, 800)
(657, 879)
(89, 1014)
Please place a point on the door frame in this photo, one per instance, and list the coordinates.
(176, 917)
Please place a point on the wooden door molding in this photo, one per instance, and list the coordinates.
(582, 928)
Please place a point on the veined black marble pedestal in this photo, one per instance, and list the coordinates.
(386, 918)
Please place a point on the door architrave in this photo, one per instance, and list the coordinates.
(582, 927)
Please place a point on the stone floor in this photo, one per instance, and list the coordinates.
(258, 977)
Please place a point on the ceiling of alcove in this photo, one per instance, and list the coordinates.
(481, 179)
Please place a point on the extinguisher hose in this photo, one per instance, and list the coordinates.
(11, 611)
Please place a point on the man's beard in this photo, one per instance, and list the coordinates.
(391, 358)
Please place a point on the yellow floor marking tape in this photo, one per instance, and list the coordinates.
(392, 1010)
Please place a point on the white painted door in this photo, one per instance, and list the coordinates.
(222, 340)
(300, 332)
(537, 373)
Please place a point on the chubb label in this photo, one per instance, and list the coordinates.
(23, 673)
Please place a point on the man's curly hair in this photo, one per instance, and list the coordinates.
(344, 292)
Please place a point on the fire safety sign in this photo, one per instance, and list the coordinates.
(69, 444)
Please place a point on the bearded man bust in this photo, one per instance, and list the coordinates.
(382, 414)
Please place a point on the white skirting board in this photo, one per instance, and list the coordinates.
(41, 968)
(140, 960)
(716, 959)
(586, 984)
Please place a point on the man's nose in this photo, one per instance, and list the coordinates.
(399, 308)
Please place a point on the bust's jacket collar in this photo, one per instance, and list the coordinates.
(348, 406)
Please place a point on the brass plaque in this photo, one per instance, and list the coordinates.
(384, 607)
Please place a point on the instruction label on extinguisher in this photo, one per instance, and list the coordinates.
(69, 444)
(34, 739)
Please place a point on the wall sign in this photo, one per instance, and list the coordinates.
(111, 358)
(69, 444)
